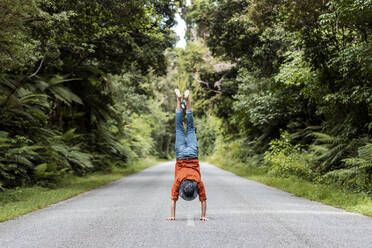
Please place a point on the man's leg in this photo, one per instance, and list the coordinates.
(180, 130)
(191, 136)
(180, 140)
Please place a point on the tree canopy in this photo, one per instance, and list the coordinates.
(281, 85)
(76, 84)
(302, 74)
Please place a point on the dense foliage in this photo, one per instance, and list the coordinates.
(281, 85)
(76, 85)
(298, 96)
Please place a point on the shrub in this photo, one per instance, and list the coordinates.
(285, 159)
(356, 173)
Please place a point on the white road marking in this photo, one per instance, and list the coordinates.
(190, 221)
(312, 212)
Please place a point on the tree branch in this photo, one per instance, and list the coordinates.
(38, 69)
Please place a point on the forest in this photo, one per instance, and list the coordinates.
(281, 87)
(78, 86)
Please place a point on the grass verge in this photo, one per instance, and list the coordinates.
(15, 202)
(328, 194)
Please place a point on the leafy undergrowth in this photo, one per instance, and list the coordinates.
(15, 202)
(328, 194)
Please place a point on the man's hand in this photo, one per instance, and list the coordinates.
(204, 218)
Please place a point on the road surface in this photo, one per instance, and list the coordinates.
(132, 212)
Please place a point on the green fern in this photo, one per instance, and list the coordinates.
(328, 151)
(364, 158)
(356, 173)
(48, 174)
(56, 88)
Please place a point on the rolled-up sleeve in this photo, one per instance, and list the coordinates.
(201, 192)
(175, 188)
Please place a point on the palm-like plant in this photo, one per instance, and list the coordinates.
(328, 151)
(356, 172)
(26, 139)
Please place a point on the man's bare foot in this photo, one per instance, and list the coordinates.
(187, 93)
(178, 93)
(204, 218)
(171, 218)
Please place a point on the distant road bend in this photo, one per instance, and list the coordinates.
(132, 212)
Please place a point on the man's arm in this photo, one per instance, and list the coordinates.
(203, 200)
(203, 210)
(174, 197)
(173, 210)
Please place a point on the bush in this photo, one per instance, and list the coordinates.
(17, 156)
(287, 165)
(236, 154)
(48, 174)
(356, 173)
(351, 179)
(207, 130)
(285, 159)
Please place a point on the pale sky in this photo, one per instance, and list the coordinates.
(180, 28)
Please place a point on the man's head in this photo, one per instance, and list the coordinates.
(188, 190)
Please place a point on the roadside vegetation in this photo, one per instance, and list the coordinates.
(330, 194)
(80, 95)
(284, 93)
(22, 200)
(78, 86)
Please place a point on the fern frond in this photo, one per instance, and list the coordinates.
(4, 134)
(45, 132)
(70, 135)
(80, 158)
(21, 160)
(22, 113)
(325, 138)
(65, 95)
(364, 158)
(58, 90)
(319, 149)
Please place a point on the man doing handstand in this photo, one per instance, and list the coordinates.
(187, 178)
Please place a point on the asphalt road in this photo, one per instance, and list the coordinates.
(132, 212)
